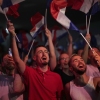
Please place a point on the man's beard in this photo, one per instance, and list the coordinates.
(80, 72)
(45, 63)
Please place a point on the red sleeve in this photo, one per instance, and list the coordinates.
(60, 87)
(26, 75)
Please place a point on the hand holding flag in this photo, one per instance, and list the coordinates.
(48, 33)
(11, 29)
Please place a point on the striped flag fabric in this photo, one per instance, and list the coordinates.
(37, 22)
(57, 10)
(25, 39)
(8, 3)
(83, 5)
(10, 7)
(57, 33)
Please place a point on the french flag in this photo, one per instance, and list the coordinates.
(25, 40)
(83, 5)
(12, 10)
(10, 7)
(8, 3)
(37, 22)
(57, 33)
(95, 8)
(58, 12)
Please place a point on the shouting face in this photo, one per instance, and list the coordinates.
(77, 65)
(41, 56)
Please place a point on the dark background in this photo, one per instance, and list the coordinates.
(29, 7)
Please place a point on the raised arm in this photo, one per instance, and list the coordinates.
(70, 46)
(25, 59)
(52, 50)
(86, 48)
(18, 84)
(18, 61)
(96, 58)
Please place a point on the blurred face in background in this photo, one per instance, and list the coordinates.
(8, 64)
(63, 60)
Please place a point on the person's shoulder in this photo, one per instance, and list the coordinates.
(96, 81)
(30, 69)
(89, 65)
(55, 74)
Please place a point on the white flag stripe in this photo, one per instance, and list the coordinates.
(16, 1)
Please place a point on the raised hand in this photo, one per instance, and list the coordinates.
(88, 37)
(11, 28)
(26, 59)
(70, 38)
(96, 57)
(47, 33)
(8, 60)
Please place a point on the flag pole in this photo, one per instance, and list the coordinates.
(30, 47)
(89, 24)
(45, 19)
(8, 20)
(68, 32)
(86, 40)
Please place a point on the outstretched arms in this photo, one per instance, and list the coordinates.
(70, 47)
(19, 63)
(52, 50)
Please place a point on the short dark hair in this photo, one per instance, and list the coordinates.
(38, 47)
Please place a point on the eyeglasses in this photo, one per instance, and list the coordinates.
(40, 51)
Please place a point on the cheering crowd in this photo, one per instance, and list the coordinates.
(72, 77)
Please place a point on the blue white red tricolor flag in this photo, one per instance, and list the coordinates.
(57, 33)
(25, 40)
(83, 5)
(37, 22)
(10, 7)
(58, 12)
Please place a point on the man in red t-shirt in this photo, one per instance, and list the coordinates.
(40, 82)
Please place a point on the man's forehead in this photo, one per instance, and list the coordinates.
(41, 48)
(64, 55)
(76, 57)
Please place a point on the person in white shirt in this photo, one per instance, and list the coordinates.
(83, 87)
